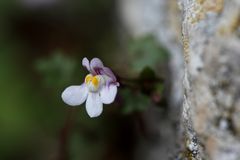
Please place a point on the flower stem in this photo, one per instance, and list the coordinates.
(64, 136)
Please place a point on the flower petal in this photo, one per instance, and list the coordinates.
(85, 63)
(96, 65)
(108, 94)
(75, 95)
(94, 105)
(107, 71)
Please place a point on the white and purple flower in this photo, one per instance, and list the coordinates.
(99, 87)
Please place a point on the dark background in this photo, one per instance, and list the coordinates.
(42, 44)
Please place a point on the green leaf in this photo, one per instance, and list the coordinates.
(147, 73)
(146, 51)
(134, 101)
(57, 70)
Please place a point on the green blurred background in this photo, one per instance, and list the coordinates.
(42, 44)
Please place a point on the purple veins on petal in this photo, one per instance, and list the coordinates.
(100, 87)
(107, 71)
(96, 65)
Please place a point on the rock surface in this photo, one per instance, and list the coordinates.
(205, 58)
(212, 60)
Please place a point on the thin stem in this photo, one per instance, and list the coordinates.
(64, 136)
(136, 83)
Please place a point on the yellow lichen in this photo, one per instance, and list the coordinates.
(199, 13)
(186, 49)
(214, 5)
(200, 1)
(201, 7)
(231, 26)
(174, 20)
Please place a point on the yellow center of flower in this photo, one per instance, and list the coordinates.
(88, 78)
(93, 82)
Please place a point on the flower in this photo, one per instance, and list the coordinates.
(99, 87)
